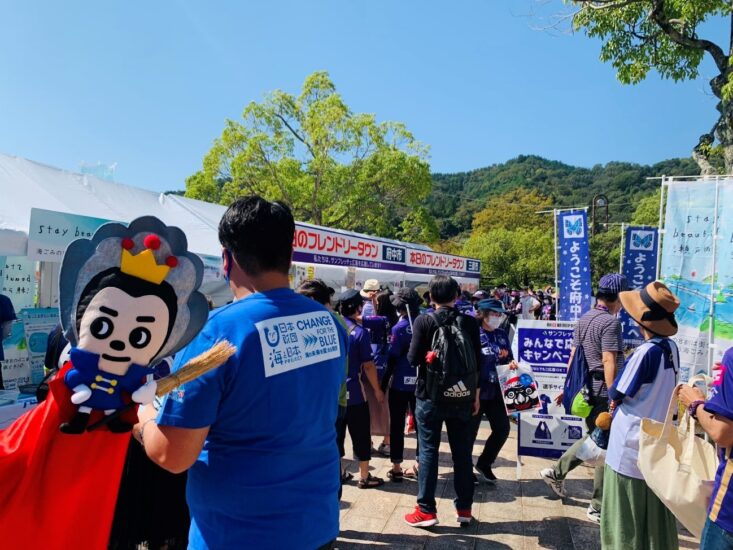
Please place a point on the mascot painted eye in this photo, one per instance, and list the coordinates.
(139, 337)
(101, 327)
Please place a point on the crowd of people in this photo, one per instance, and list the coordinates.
(259, 443)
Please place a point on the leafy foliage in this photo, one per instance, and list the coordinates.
(331, 166)
(456, 198)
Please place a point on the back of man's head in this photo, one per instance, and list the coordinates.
(259, 234)
(443, 289)
(317, 290)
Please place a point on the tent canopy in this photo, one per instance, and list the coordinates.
(25, 184)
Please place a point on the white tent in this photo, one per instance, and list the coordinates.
(25, 184)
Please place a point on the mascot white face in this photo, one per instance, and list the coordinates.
(122, 329)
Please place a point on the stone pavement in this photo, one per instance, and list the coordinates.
(513, 514)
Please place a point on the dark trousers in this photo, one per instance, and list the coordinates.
(398, 403)
(495, 412)
(429, 419)
(357, 421)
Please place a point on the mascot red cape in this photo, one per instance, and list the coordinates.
(127, 298)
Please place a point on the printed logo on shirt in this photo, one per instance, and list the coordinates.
(410, 380)
(296, 341)
(457, 390)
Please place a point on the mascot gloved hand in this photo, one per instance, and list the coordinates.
(128, 299)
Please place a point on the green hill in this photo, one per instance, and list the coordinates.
(455, 198)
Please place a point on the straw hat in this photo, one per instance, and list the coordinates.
(652, 307)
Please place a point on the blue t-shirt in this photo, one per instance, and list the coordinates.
(404, 377)
(7, 313)
(492, 344)
(360, 352)
(268, 475)
(721, 403)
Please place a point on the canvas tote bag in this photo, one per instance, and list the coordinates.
(678, 467)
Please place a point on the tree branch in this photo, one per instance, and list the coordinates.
(721, 60)
(296, 134)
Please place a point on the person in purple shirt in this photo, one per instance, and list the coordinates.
(401, 377)
(357, 409)
(495, 350)
(716, 417)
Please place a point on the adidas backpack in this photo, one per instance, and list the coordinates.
(452, 371)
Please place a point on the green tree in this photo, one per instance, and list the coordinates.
(333, 167)
(666, 35)
(514, 256)
(647, 211)
(517, 208)
(605, 252)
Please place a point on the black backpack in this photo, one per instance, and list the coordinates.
(452, 374)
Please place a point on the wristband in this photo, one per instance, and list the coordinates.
(692, 409)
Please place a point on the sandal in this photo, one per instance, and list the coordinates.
(396, 476)
(346, 476)
(411, 473)
(370, 482)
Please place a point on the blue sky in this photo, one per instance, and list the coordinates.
(149, 84)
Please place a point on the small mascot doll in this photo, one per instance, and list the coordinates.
(127, 298)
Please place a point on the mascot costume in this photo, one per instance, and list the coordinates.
(128, 298)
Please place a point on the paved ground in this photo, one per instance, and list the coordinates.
(513, 514)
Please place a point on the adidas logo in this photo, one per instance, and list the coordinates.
(457, 390)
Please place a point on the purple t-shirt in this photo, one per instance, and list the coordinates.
(378, 328)
(721, 403)
(405, 375)
(492, 344)
(360, 352)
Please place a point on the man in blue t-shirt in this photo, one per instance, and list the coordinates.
(258, 433)
(7, 316)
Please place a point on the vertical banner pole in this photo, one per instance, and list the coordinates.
(621, 253)
(711, 321)
(660, 231)
(557, 285)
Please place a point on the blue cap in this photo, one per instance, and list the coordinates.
(613, 283)
(491, 304)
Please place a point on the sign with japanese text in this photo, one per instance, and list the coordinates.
(50, 232)
(699, 268)
(16, 367)
(323, 246)
(574, 277)
(640, 268)
(18, 281)
(37, 324)
(546, 346)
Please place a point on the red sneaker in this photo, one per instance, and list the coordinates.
(421, 519)
(463, 516)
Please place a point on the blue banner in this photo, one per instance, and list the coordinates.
(641, 245)
(574, 282)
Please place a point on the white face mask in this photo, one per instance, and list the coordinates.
(495, 322)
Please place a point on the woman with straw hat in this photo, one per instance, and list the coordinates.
(631, 515)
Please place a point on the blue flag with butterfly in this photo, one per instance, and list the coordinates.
(574, 283)
(641, 244)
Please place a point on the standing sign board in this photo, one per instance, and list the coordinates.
(640, 268)
(37, 324)
(50, 232)
(545, 345)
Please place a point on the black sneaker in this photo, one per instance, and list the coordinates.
(76, 425)
(486, 475)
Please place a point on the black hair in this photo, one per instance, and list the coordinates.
(385, 308)
(606, 295)
(466, 295)
(443, 289)
(133, 286)
(317, 290)
(350, 307)
(259, 234)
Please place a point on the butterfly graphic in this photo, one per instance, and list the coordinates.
(642, 240)
(574, 227)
